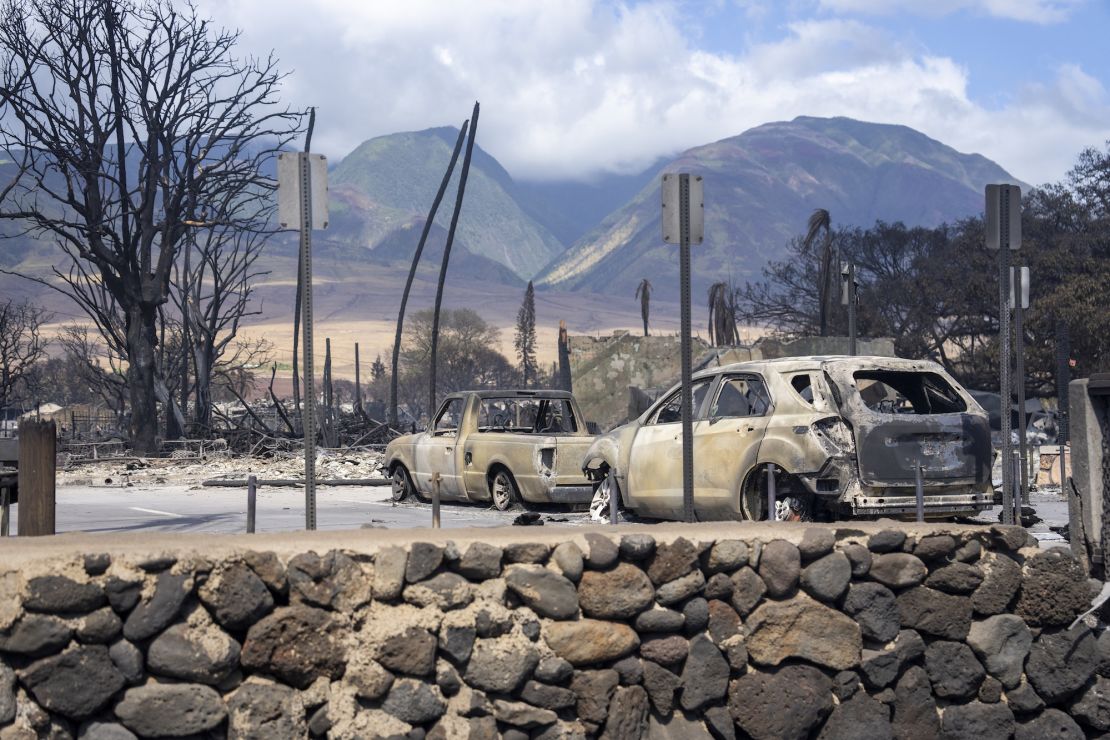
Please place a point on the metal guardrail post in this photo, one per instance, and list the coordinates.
(771, 492)
(252, 484)
(436, 479)
(919, 490)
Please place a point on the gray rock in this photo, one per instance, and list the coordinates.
(628, 714)
(157, 563)
(412, 652)
(909, 646)
(590, 641)
(553, 670)
(500, 665)
(236, 596)
(828, 577)
(1061, 662)
(128, 659)
(860, 558)
(157, 612)
(319, 723)
(480, 562)
(915, 709)
(879, 668)
(1104, 653)
(424, 558)
(76, 684)
(898, 570)
(568, 557)
(672, 560)
(1002, 642)
(547, 696)
(389, 573)
(630, 670)
(968, 552)
(1001, 579)
(637, 547)
(201, 654)
(546, 592)
(332, 580)
(445, 591)
(1092, 705)
(990, 691)
(370, 680)
(603, 551)
(680, 589)
(1024, 699)
(1049, 724)
(659, 619)
(493, 624)
(757, 700)
(956, 578)
(62, 595)
(99, 627)
(779, 567)
(123, 594)
(859, 717)
(104, 731)
(977, 720)
(726, 556)
(414, 701)
(97, 563)
(705, 676)
(1008, 536)
(668, 650)
(620, 593)
(676, 727)
(447, 678)
(802, 628)
(747, 590)
(263, 711)
(269, 568)
(7, 693)
(935, 547)
(724, 622)
(719, 586)
(816, 542)
(935, 613)
(594, 690)
(1054, 589)
(660, 685)
(456, 642)
(36, 634)
(527, 552)
(887, 540)
(696, 615)
(953, 669)
(519, 714)
(720, 724)
(874, 607)
(845, 685)
(297, 644)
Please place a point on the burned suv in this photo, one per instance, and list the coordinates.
(843, 437)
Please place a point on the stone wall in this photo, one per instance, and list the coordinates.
(784, 631)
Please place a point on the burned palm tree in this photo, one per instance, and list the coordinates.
(722, 317)
(643, 292)
(819, 221)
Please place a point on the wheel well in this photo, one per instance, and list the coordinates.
(494, 470)
(398, 464)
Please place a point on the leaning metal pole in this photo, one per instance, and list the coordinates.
(687, 391)
(309, 414)
(393, 421)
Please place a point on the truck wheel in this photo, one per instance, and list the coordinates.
(402, 484)
(599, 505)
(792, 502)
(503, 490)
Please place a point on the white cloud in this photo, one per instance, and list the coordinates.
(574, 87)
(1031, 11)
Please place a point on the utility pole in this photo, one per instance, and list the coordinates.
(1019, 300)
(684, 221)
(848, 298)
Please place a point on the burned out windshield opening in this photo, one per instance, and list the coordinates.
(907, 392)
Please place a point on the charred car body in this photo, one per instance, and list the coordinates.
(497, 446)
(845, 437)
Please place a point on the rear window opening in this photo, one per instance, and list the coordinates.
(907, 392)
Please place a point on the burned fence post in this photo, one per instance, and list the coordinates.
(358, 382)
(37, 460)
(436, 482)
(252, 485)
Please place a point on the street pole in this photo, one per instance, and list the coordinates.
(849, 297)
(1063, 351)
(1020, 292)
(1003, 218)
(687, 391)
(309, 413)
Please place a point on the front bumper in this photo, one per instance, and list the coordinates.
(936, 505)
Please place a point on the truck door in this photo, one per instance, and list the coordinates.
(437, 451)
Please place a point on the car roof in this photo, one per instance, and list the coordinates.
(813, 362)
(517, 393)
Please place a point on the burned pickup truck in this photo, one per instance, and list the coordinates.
(842, 436)
(504, 447)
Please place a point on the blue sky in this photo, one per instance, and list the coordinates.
(571, 88)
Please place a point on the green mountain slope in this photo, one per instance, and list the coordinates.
(391, 180)
(760, 188)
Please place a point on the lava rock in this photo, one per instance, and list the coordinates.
(35, 635)
(630, 670)
(845, 685)
(480, 562)
(978, 720)
(128, 659)
(990, 691)
(521, 715)
(447, 678)
(456, 642)
(414, 701)
(803, 628)
(445, 591)
(535, 553)
(1051, 723)
(369, 678)
(259, 711)
(816, 542)
(680, 589)
(956, 578)
(546, 592)
(99, 627)
(590, 641)
(1092, 705)
(123, 594)
(1053, 589)
(879, 668)
(501, 664)
(757, 701)
(7, 694)
(636, 547)
(594, 690)
(780, 564)
(858, 717)
(860, 558)
(968, 552)
(696, 615)
(705, 676)
(724, 622)
(62, 595)
(915, 709)
(154, 614)
(659, 619)
(423, 560)
(669, 650)
(236, 596)
(1008, 536)
(201, 654)
(390, 564)
(1061, 662)
(935, 613)
(660, 685)
(898, 570)
(76, 684)
(412, 652)
(628, 714)
(170, 710)
(718, 587)
(297, 644)
(568, 557)
(953, 669)
(747, 590)
(909, 646)
(672, 561)
(887, 540)
(553, 670)
(97, 563)
(726, 556)
(620, 593)
(104, 731)
(935, 547)
(1002, 642)
(827, 578)
(603, 551)
(547, 696)
(268, 567)
(1001, 579)
(333, 581)
(874, 607)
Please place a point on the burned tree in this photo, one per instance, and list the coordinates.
(820, 221)
(525, 339)
(126, 121)
(21, 344)
(643, 293)
(722, 316)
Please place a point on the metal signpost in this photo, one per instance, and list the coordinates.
(1063, 352)
(684, 222)
(303, 205)
(1003, 227)
(1019, 301)
(848, 298)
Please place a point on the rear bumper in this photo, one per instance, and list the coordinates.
(571, 494)
(936, 505)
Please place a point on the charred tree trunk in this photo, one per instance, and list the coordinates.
(142, 373)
